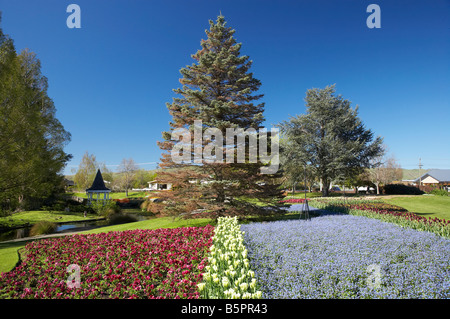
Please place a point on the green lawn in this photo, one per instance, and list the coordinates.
(154, 223)
(424, 205)
(318, 194)
(32, 217)
(9, 255)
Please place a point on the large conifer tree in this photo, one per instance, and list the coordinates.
(219, 90)
(330, 138)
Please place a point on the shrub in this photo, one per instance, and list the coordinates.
(80, 208)
(105, 208)
(400, 189)
(42, 228)
(439, 192)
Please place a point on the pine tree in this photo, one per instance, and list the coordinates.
(219, 90)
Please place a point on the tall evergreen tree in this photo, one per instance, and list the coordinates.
(330, 138)
(32, 139)
(219, 90)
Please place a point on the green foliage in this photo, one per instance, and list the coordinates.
(400, 189)
(105, 208)
(72, 206)
(87, 169)
(117, 219)
(330, 138)
(219, 90)
(31, 138)
(142, 177)
(42, 228)
(440, 192)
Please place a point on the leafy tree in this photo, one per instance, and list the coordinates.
(32, 140)
(127, 169)
(87, 169)
(384, 170)
(294, 172)
(218, 90)
(330, 138)
(142, 177)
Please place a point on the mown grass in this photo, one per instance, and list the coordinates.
(424, 205)
(33, 217)
(300, 194)
(154, 223)
(9, 256)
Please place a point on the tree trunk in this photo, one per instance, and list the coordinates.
(325, 187)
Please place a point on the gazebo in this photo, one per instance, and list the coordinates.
(98, 187)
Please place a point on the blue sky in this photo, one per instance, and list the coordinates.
(111, 78)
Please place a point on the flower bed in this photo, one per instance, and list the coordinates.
(292, 201)
(388, 213)
(162, 263)
(341, 256)
(228, 274)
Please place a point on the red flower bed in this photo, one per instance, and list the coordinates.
(122, 200)
(292, 201)
(163, 263)
(406, 215)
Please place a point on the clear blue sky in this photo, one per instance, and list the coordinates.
(110, 79)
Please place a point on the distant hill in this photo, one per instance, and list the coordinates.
(409, 174)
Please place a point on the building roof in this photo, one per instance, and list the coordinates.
(69, 182)
(442, 175)
(158, 181)
(98, 184)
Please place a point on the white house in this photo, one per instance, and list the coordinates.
(435, 177)
(156, 185)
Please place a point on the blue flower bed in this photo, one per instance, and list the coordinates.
(345, 256)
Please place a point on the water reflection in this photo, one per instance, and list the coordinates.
(75, 226)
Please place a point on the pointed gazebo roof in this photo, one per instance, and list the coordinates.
(98, 185)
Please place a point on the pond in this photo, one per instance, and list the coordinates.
(24, 232)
